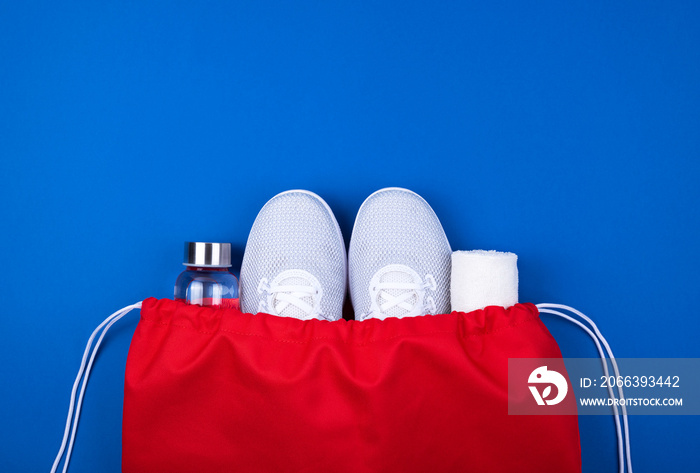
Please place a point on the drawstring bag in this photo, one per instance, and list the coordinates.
(216, 390)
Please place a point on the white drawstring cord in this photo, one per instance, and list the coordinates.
(605, 370)
(547, 308)
(109, 321)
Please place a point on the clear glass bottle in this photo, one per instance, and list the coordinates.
(207, 280)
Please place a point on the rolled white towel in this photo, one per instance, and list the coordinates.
(483, 278)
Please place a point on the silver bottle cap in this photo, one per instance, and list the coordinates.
(213, 255)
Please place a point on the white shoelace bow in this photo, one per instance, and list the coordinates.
(407, 294)
(84, 374)
(278, 296)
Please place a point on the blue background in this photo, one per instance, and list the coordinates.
(566, 133)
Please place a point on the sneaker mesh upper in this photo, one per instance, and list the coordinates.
(397, 227)
(295, 230)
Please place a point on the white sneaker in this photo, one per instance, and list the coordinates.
(294, 263)
(399, 258)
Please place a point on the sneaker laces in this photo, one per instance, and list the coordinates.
(293, 293)
(398, 291)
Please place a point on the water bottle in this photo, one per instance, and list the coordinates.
(207, 280)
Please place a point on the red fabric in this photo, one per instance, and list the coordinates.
(215, 390)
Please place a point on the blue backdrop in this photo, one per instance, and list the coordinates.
(566, 133)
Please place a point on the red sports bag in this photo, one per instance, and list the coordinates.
(216, 390)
